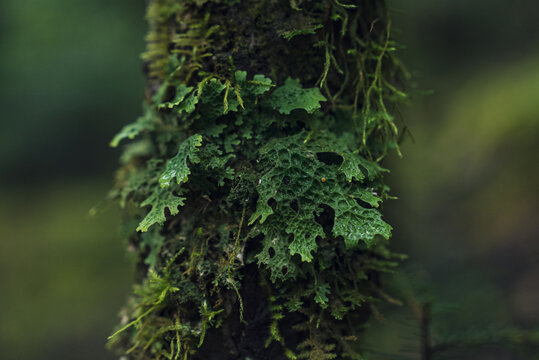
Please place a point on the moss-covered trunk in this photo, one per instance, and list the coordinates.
(255, 179)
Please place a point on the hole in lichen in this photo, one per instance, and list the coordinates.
(329, 158)
(271, 253)
(254, 244)
(286, 180)
(363, 170)
(272, 203)
(169, 94)
(294, 205)
(284, 270)
(326, 218)
(364, 204)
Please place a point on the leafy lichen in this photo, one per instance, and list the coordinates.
(238, 167)
(299, 185)
(160, 200)
(292, 96)
(177, 167)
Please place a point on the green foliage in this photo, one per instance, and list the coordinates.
(309, 29)
(321, 297)
(300, 185)
(275, 180)
(151, 297)
(292, 96)
(153, 241)
(181, 92)
(177, 166)
(143, 123)
(160, 200)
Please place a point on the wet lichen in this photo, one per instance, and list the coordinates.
(255, 177)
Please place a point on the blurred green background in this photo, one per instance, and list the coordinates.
(71, 76)
(468, 183)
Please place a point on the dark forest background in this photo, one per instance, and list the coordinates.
(468, 205)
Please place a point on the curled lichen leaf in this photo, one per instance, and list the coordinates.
(188, 105)
(177, 167)
(263, 210)
(356, 223)
(160, 200)
(351, 169)
(143, 123)
(292, 96)
(367, 196)
(181, 92)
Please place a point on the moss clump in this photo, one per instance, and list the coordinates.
(266, 122)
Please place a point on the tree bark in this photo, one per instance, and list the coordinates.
(265, 122)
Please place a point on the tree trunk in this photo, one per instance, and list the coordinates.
(256, 181)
